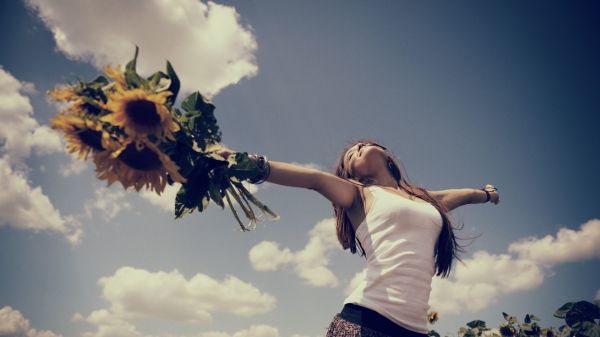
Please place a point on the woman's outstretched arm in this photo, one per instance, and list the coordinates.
(456, 197)
(339, 191)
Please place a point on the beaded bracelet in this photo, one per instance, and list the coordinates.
(265, 169)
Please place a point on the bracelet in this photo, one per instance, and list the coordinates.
(265, 169)
(488, 197)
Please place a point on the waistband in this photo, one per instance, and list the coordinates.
(372, 319)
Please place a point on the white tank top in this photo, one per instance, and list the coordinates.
(399, 237)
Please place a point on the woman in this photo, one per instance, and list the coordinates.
(402, 230)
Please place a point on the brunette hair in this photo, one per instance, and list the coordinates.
(447, 247)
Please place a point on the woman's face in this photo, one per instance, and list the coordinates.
(365, 159)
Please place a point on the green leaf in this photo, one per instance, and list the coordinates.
(580, 312)
(510, 318)
(175, 84)
(100, 81)
(155, 78)
(476, 324)
(215, 195)
(562, 311)
(203, 203)
(589, 329)
(433, 333)
(131, 76)
(203, 125)
(181, 203)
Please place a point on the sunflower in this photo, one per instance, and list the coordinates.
(141, 113)
(116, 74)
(66, 94)
(83, 136)
(146, 167)
(87, 106)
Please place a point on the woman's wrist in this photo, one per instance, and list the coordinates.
(264, 168)
(480, 196)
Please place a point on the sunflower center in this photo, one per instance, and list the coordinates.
(144, 160)
(142, 112)
(91, 138)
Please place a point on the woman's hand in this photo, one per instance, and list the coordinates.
(222, 151)
(494, 196)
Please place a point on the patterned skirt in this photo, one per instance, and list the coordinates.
(358, 321)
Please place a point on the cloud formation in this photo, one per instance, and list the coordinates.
(12, 323)
(138, 294)
(567, 246)
(73, 167)
(108, 202)
(485, 276)
(21, 205)
(20, 133)
(310, 263)
(205, 41)
(259, 330)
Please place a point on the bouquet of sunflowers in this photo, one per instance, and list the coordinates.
(131, 128)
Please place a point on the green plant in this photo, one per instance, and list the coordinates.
(580, 318)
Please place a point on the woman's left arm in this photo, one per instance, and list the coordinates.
(456, 197)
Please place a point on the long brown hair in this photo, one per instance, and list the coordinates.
(447, 247)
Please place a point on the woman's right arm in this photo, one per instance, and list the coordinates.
(339, 191)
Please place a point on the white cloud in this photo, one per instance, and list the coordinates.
(477, 284)
(109, 325)
(21, 205)
(20, 133)
(165, 201)
(73, 167)
(568, 245)
(25, 207)
(309, 263)
(597, 295)
(313, 166)
(206, 43)
(258, 330)
(355, 282)
(267, 256)
(138, 294)
(485, 276)
(108, 202)
(12, 323)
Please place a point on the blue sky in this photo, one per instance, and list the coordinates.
(464, 93)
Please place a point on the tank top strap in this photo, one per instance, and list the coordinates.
(372, 188)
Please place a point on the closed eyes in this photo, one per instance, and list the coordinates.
(361, 145)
